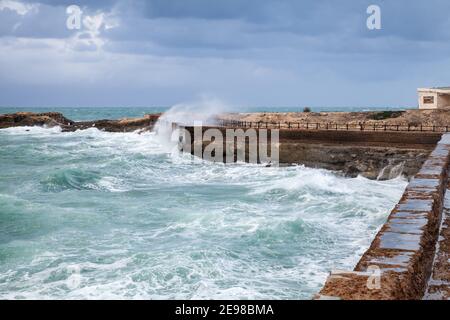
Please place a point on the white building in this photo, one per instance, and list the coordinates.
(434, 98)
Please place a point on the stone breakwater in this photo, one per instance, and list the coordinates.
(374, 155)
(53, 119)
(409, 257)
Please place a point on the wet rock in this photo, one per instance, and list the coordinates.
(371, 162)
(122, 125)
(21, 119)
(53, 119)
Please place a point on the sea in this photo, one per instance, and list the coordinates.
(99, 215)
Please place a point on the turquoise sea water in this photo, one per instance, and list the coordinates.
(91, 214)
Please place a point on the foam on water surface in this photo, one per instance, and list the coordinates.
(90, 214)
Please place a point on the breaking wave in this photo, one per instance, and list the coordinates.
(91, 214)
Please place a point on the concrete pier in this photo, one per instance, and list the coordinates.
(409, 257)
(374, 155)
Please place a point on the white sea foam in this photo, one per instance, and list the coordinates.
(137, 221)
(33, 130)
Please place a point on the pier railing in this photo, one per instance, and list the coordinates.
(333, 126)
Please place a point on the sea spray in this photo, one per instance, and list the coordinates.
(204, 111)
(391, 170)
(231, 145)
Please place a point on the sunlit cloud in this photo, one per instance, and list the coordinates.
(18, 7)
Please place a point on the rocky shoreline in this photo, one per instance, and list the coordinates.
(55, 119)
(374, 155)
(408, 117)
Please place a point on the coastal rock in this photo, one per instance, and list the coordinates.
(121, 125)
(53, 119)
(21, 119)
(372, 162)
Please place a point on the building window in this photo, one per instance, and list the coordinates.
(428, 100)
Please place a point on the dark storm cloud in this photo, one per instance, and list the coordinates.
(269, 47)
(238, 23)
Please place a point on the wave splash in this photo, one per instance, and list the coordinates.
(202, 112)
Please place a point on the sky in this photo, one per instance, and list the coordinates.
(244, 52)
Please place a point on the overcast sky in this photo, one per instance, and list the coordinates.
(244, 52)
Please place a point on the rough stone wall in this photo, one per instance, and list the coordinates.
(33, 119)
(372, 162)
(375, 138)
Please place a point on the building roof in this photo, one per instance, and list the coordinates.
(445, 90)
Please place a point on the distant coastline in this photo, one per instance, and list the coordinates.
(95, 113)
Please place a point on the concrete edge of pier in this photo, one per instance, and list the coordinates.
(409, 257)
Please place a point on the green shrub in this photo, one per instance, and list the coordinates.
(382, 115)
